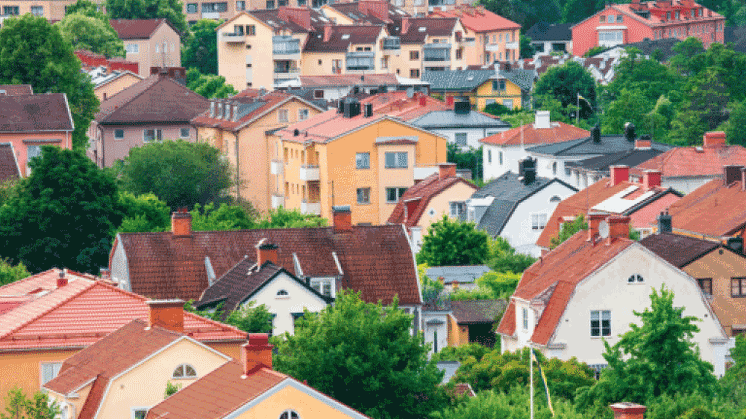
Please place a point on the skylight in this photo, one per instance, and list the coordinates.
(323, 19)
(346, 36)
(422, 29)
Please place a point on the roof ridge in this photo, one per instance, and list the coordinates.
(144, 82)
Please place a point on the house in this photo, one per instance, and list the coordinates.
(53, 11)
(583, 295)
(516, 206)
(617, 195)
(333, 87)
(503, 151)
(108, 83)
(473, 321)
(154, 109)
(427, 44)
(659, 49)
(426, 202)
(601, 68)
(547, 38)
(496, 38)
(49, 317)
(687, 168)
(250, 388)
(457, 277)
(510, 88)
(10, 170)
(241, 128)
(149, 42)
(719, 269)
(420, 8)
(126, 372)
(32, 121)
(260, 281)
(365, 12)
(460, 125)
(627, 23)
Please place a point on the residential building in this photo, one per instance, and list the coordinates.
(510, 88)
(348, 49)
(457, 277)
(474, 322)
(32, 121)
(49, 317)
(687, 168)
(52, 10)
(440, 194)
(10, 170)
(547, 38)
(241, 128)
(250, 388)
(126, 372)
(504, 151)
(583, 295)
(107, 84)
(154, 109)
(495, 37)
(517, 206)
(428, 44)
(363, 12)
(420, 8)
(149, 42)
(658, 49)
(617, 195)
(603, 69)
(626, 23)
(336, 86)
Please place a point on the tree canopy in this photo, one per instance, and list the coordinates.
(86, 8)
(201, 47)
(564, 83)
(20, 406)
(92, 34)
(173, 10)
(208, 85)
(450, 242)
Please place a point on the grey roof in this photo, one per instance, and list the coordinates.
(453, 80)
(451, 119)
(543, 31)
(449, 368)
(460, 274)
(522, 78)
(629, 158)
(648, 46)
(508, 191)
(609, 144)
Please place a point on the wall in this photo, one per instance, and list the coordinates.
(402, 65)
(117, 149)
(687, 184)
(485, 92)
(320, 63)
(457, 334)
(307, 406)
(433, 331)
(150, 56)
(74, 405)
(473, 135)
(20, 146)
(53, 9)
(512, 155)
(22, 369)
(249, 63)
(441, 203)
(115, 86)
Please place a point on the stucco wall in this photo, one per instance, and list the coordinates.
(114, 149)
(22, 141)
(305, 405)
(147, 55)
(441, 203)
(437, 331)
(113, 87)
(22, 369)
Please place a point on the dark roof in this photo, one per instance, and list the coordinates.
(16, 89)
(431, 26)
(456, 80)
(676, 249)
(29, 113)
(609, 144)
(543, 31)
(451, 119)
(137, 28)
(737, 36)
(629, 158)
(521, 78)
(9, 168)
(155, 99)
(341, 38)
(649, 46)
(477, 311)
(377, 261)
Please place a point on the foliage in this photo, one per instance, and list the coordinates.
(285, 218)
(12, 273)
(19, 406)
(703, 109)
(500, 284)
(576, 11)
(200, 48)
(691, 406)
(470, 159)
(526, 12)
(86, 8)
(504, 258)
(143, 213)
(430, 288)
(527, 50)
(208, 85)
(497, 109)
(364, 355)
(563, 83)
(251, 319)
(733, 128)
(149, 9)
(629, 106)
(32, 51)
(171, 389)
(450, 242)
(568, 230)
(178, 172)
(223, 217)
(92, 34)
(595, 50)
(461, 353)
(64, 215)
(478, 293)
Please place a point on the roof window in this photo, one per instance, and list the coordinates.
(422, 29)
(346, 36)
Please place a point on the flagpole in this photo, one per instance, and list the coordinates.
(531, 377)
(577, 112)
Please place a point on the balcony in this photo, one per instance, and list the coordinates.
(285, 47)
(467, 42)
(492, 47)
(436, 53)
(309, 173)
(512, 45)
(310, 207)
(234, 37)
(276, 166)
(286, 73)
(211, 15)
(278, 201)
(360, 61)
(391, 45)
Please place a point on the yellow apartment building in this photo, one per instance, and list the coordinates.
(347, 49)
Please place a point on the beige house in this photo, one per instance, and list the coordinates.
(114, 83)
(429, 44)
(149, 42)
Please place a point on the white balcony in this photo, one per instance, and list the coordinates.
(309, 173)
(492, 47)
(278, 201)
(211, 15)
(310, 208)
(512, 45)
(234, 37)
(467, 42)
(276, 166)
(423, 172)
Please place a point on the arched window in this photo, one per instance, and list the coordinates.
(635, 278)
(185, 371)
(290, 414)
(282, 293)
(555, 199)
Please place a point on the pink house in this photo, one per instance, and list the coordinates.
(627, 23)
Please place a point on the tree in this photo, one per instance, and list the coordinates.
(143, 213)
(39, 406)
(703, 110)
(568, 230)
(527, 49)
(629, 106)
(86, 8)
(736, 121)
(504, 258)
(32, 51)
(565, 82)
(149, 9)
(364, 355)
(251, 318)
(208, 85)
(284, 218)
(223, 217)
(470, 159)
(461, 353)
(92, 34)
(178, 172)
(450, 242)
(500, 284)
(576, 11)
(65, 214)
(11, 273)
(200, 48)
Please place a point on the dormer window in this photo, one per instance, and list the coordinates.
(324, 286)
(634, 279)
(289, 414)
(184, 371)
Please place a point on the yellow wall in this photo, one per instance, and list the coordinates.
(484, 92)
(457, 335)
(76, 404)
(441, 203)
(234, 58)
(403, 65)
(307, 407)
(23, 370)
(335, 16)
(115, 86)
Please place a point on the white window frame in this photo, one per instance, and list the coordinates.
(56, 366)
(303, 114)
(610, 38)
(282, 294)
(132, 48)
(157, 135)
(184, 372)
(508, 103)
(458, 206)
(288, 414)
(538, 220)
(600, 314)
(35, 10)
(524, 318)
(135, 409)
(400, 160)
(282, 115)
(321, 285)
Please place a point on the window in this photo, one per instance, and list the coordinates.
(619, 18)
(318, 94)
(498, 85)
(184, 133)
(250, 30)
(738, 287)
(49, 370)
(610, 38)
(600, 323)
(458, 209)
(362, 161)
(706, 285)
(10, 10)
(184, 371)
(214, 7)
(461, 138)
(508, 103)
(668, 15)
(302, 114)
(37, 10)
(538, 221)
(555, 199)
(282, 294)
(363, 195)
(677, 15)
(393, 195)
(636, 278)
(301, 3)
(414, 73)
(500, 157)
(282, 115)
(414, 55)
(132, 48)
(289, 414)
(524, 316)
(118, 134)
(396, 160)
(323, 286)
(241, 5)
(32, 152)
(149, 135)
(139, 413)
(270, 4)
(489, 156)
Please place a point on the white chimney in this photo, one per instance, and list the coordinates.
(542, 120)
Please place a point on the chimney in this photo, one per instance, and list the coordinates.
(629, 131)
(643, 143)
(266, 252)
(168, 314)
(446, 170)
(619, 174)
(327, 33)
(181, 222)
(627, 410)
(618, 227)
(342, 218)
(542, 120)
(732, 173)
(256, 352)
(62, 278)
(665, 223)
(449, 101)
(404, 25)
(651, 179)
(423, 100)
(713, 139)
(527, 169)
(596, 134)
(594, 219)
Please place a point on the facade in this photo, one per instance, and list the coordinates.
(107, 84)
(428, 44)
(336, 86)
(53, 10)
(549, 38)
(627, 23)
(474, 321)
(461, 126)
(421, 8)
(484, 86)
(149, 42)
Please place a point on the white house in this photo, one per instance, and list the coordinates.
(461, 125)
(584, 292)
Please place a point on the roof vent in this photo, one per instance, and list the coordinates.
(596, 134)
(296, 132)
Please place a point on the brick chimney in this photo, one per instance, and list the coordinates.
(713, 139)
(256, 352)
(732, 173)
(619, 174)
(168, 314)
(618, 227)
(651, 179)
(594, 219)
(643, 144)
(327, 33)
(181, 223)
(446, 170)
(627, 410)
(266, 252)
(342, 218)
(62, 278)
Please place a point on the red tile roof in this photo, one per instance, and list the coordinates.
(424, 190)
(31, 113)
(713, 209)
(694, 161)
(478, 19)
(331, 80)
(528, 134)
(81, 312)
(138, 28)
(17, 89)
(9, 168)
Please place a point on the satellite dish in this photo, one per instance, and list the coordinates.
(410, 92)
(603, 229)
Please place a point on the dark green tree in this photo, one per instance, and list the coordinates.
(364, 355)
(733, 128)
(527, 50)
(64, 215)
(92, 34)
(576, 11)
(284, 218)
(629, 106)
(200, 48)
(208, 85)
(223, 217)
(568, 230)
(173, 10)
(704, 109)
(32, 51)
(450, 242)
(564, 83)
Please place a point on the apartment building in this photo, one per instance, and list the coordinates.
(421, 8)
(434, 44)
(53, 10)
(149, 42)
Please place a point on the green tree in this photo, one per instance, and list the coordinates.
(86, 8)
(504, 258)
(568, 230)
(178, 172)
(223, 217)
(11, 273)
(629, 106)
(284, 218)
(149, 9)
(500, 284)
(65, 214)
(733, 128)
(208, 85)
(201, 47)
(576, 11)
(251, 318)
(450, 242)
(595, 50)
(171, 389)
(92, 34)
(364, 355)
(704, 108)
(470, 159)
(143, 213)
(564, 83)
(431, 288)
(527, 50)
(474, 351)
(39, 406)
(32, 51)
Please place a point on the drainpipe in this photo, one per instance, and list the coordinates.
(238, 186)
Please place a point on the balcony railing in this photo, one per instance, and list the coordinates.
(234, 37)
(360, 60)
(285, 45)
(278, 201)
(309, 173)
(310, 207)
(391, 43)
(436, 52)
(210, 15)
(276, 166)
(467, 42)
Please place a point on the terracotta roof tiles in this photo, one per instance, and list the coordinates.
(694, 161)
(478, 19)
(17, 89)
(420, 28)
(713, 209)
(424, 191)
(528, 134)
(342, 36)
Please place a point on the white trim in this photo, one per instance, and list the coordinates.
(252, 120)
(414, 261)
(69, 114)
(611, 28)
(296, 263)
(41, 370)
(133, 409)
(336, 261)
